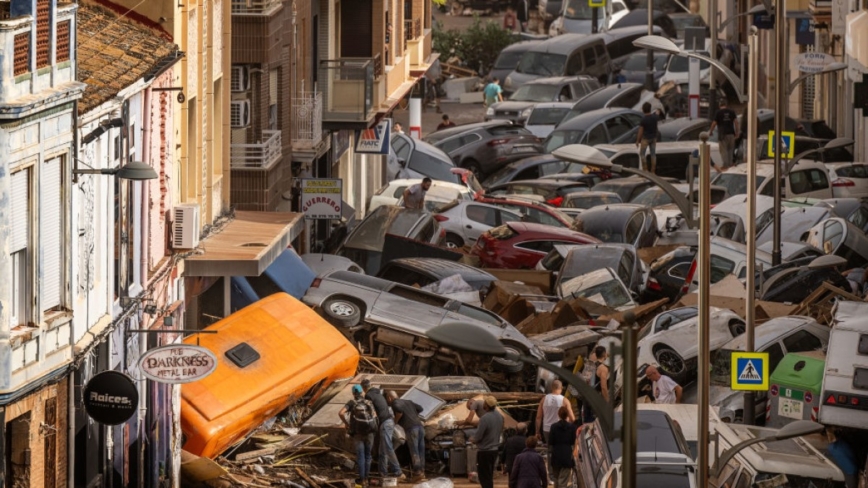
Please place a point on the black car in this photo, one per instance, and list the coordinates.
(682, 129)
(551, 190)
(623, 95)
(620, 223)
(606, 125)
(667, 273)
(795, 284)
(424, 271)
(485, 147)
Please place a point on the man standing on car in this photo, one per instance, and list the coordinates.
(487, 440)
(414, 195)
(388, 462)
(407, 415)
(664, 388)
(726, 122)
(363, 435)
(647, 137)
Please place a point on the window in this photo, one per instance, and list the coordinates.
(406, 276)
(859, 218)
(775, 355)
(482, 214)
(720, 267)
(818, 180)
(508, 217)
(679, 270)
(617, 127)
(51, 228)
(62, 50)
(401, 147)
(629, 160)
(799, 182)
(18, 246)
(22, 53)
(43, 32)
(802, 341)
(555, 167)
(536, 246)
(531, 173)
(634, 228)
(597, 135)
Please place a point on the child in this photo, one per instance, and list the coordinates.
(509, 19)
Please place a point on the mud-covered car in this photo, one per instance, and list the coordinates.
(391, 320)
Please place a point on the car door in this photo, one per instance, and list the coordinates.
(401, 147)
(477, 219)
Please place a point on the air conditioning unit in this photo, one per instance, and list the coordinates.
(240, 79)
(185, 226)
(239, 113)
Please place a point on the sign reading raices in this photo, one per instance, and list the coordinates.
(321, 198)
(178, 363)
(111, 398)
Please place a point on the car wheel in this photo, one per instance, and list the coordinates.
(508, 365)
(670, 361)
(474, 168)
(453, 241)
(342, 312)
(736, 327)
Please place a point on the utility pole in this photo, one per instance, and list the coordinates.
(749, 414)
(703, 307)
(649, 66)
(781, 86)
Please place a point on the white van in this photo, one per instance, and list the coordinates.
(844, 400)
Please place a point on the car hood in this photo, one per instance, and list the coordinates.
(511, 106)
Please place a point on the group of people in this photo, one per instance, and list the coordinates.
(371, 412)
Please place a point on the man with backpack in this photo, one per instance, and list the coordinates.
(361, 422)
(388, 461)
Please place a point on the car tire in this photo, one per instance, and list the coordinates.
(670, 362)
(341, 312)
(453, 241)
(508, 365)
(736, 327)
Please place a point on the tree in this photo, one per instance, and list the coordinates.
(477, 47)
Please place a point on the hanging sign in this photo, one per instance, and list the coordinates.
(111, 398)
(321, 198)
(813, 62)
(178, 363)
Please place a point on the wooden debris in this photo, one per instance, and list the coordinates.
(820, 302)
(307, 478)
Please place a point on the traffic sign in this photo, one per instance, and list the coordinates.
(789, 144)
(596, 3)
(750, 371)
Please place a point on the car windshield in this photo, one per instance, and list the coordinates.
(578, 9)
(503, 175)
(542, 64)
(546, 116)
(735, 183)
(370, 233)
(721, 374)
(639, 60)
(508, 59)
(680, 64)
(560, 138)
(434, 167)
(652, 197)
(533, 92)
(587, 260)
(611, 293)
(591, 201)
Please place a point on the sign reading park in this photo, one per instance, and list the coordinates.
(750, 371)
(178, 363)
(321, 198)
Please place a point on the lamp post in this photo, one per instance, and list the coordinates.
(462, 337)
(793, 429)
(134, 170)
(703, 370)
(748, 414)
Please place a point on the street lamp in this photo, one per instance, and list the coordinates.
(756, 9)
(829, 68)
(660, 43)
(793, 429)
(836, 143)
(580, 153)
(134, 170)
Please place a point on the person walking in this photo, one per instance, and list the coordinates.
(547, 411)
(664, 388)
(359, 418)
(529, 469)
(562, 439)
(407, 416)
(414, 195)
(646, 139)
(447, 123)
(513, 446)
(493, 92)
(387, 462)
(522, 14)
(487, 440)
(726, 122)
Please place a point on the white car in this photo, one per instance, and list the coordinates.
(678, 68)
(440, 193)
(576, 17)
(601, 286)
(545, 116)
(806, 179)
(849, 179)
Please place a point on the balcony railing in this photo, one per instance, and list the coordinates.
(255, 6)
(261, 155)
(307, 120)
(350, 92)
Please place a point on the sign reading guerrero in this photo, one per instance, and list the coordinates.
(178, 363)
(321, 198)
(111, 398)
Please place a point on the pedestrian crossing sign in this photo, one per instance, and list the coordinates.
(750, 371)
(789, 143)
(596, 3)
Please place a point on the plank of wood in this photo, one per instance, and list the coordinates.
(243, 456)
(307, 478)
(501, 396)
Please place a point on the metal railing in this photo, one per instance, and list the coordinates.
(350, 87)
(261, 155)
(306, 120)
(254, 6)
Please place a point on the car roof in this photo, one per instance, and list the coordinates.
(523, 227)
(543, 183)
(540, 105)
(459, 129)
(628, 181)
(558, 80)
(681, 123)
(662, 147)
(522, 46)
(565, 43)
(654, 433)
(769, 331)
(606, 93)
(591, 194)
(443, 268)
(591, 118)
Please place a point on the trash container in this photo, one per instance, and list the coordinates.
(795, 387)
(458, 461)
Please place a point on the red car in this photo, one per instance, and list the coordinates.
(519, 245)
(535, 212)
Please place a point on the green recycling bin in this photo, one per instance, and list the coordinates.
(795, 387)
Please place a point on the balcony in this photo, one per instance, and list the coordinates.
(255, 7)
(412, 30)
(350, 88)
(257, 156)
(306, 121)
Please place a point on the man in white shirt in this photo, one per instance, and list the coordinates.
(547, 412)
(414, 195)
(664, 388)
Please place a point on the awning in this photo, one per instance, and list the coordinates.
(248, 244)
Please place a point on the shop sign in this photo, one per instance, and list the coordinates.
(813, 62)
(111, 398)
(178, 363)
(321, 198)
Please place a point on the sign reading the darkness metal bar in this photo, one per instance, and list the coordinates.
(178, 363)
(321, 198)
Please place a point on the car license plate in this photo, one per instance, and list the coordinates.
(790, 408)
(523, 149)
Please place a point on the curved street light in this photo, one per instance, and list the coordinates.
(756, 9)
(829, 68)
(836, 143)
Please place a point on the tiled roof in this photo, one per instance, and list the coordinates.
(114, 52)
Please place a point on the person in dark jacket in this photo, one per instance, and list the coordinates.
(529, 468)
(514, 445)
(562, 438)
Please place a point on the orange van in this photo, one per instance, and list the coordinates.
(270, 355)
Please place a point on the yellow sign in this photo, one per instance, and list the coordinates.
(596, 3)
(789, 144)
(750, 371)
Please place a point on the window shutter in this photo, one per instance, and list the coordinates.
(50, 232)
(20, 210)
(272, 87)
(43, 29)
(62, 53)
(22, 53)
